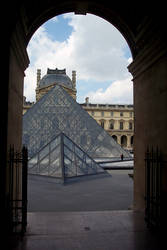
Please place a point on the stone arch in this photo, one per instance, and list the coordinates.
(46, 12)
(124, 141)
(114, 137)
(139, 26)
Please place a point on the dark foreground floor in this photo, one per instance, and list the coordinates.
(98, 193)
(86, 228)
(106, 230)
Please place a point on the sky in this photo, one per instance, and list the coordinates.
(91, 46)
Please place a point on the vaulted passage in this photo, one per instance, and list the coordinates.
(146, 36)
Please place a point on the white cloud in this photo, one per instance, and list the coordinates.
(119, 92)
(29, 86)
(95, 49)
(130, 60)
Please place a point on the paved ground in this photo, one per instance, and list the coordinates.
(100, 230)
(68, 216)
(110, 192)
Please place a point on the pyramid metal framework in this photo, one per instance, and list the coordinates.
(63, 159)
(58, 112)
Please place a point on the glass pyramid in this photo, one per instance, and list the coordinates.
(63, 159)
(57, 112)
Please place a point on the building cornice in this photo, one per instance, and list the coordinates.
(107, 107)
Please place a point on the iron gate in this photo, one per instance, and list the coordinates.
(153, 169)
(18, 190)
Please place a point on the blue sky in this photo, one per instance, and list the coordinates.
(91, 46)
(58, 28)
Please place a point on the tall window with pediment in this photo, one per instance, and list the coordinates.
(102, 124)
(121, 125)
(130, 126)
(111, 126)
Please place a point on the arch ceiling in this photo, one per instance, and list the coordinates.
(123, 16)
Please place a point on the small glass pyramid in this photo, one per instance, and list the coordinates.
(63, 159)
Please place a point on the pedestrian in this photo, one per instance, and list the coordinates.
(122, 157)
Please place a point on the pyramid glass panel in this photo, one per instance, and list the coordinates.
(68, 143)
(63, 162)
(57, 112)
(76, 160)
(44, 152)
(54, 154)
(48, 160)
(55, 169)
(55, 142)
(69, 153)
(44, 165)
(69, 168)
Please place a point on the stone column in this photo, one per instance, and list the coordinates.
(119, 139)
(150, 102)
(15, 80)
(19, 61)
(128, 141)
(107, 125)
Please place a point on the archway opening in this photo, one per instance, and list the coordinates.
(149, 71)
(124, 141)
(131, 140)
(104, 109)
(114, 137)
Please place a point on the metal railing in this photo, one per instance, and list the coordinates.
(153, 169)
(18, 190)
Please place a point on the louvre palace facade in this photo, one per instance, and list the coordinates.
(116, 119)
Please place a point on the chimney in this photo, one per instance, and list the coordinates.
(87, 100)
(38, 76)
(74, 79)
